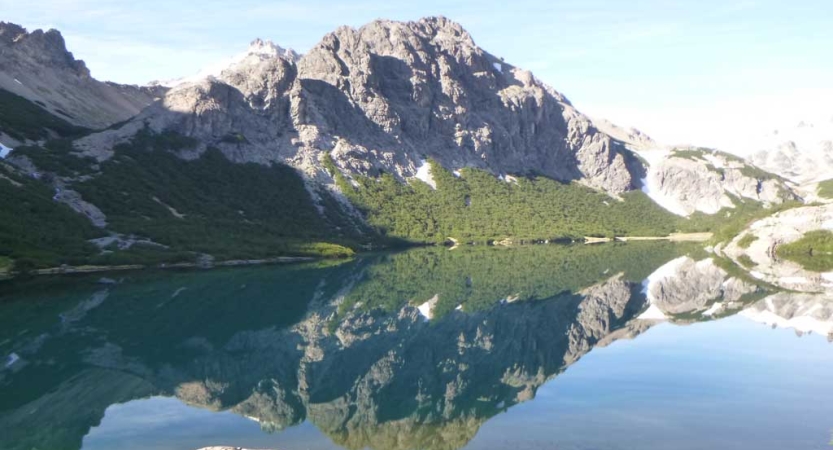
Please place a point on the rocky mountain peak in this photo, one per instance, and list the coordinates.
(387, 96)
(45, 47)
(38, 67)
(268, 48)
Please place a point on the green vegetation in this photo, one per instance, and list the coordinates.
(746, 261)
(814, 251)
(35, 230)
(479, 207)
(826, 189)
(727, 223)
(22, 120)
(57, 157)
(210, 205)
(478, 277)
(747, 240)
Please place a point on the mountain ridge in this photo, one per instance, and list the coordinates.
(376, 107)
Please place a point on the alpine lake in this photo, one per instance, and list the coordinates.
(643, 345)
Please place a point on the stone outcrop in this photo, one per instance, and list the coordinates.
(691, 180)
(38, 67)
(385, 97)
(778, 229)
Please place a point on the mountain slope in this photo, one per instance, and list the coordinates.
(802, 154)
(685, 181)
(377, 116)
(383, 98)
(38, 67)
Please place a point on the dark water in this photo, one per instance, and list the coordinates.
(481, 348)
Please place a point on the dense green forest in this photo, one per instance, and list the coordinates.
(37, 231)
(477, 206)
(213, 206)
(208, 205)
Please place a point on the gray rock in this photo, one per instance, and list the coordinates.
(383, 98)
(38, 67)
(707, 183)
(778, 229)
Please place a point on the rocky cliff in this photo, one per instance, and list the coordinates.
(756, 247)
(689, 180)
(802, 153)
(385, 97)
(38, 67)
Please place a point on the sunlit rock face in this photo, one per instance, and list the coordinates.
(686, 286)
(37, 66)
(783, 228)
(802, 153)
(803, 312)
(685, 181)
(385, 97)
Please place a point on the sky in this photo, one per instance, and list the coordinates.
(704, 72)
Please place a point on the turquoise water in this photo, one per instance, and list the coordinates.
(527, 348)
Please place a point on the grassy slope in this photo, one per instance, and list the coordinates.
(826, 189)
(814, 251)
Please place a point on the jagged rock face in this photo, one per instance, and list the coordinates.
(805, 313)
(783, 228)
(38, 67)
(684, 286)
(803, 154)
(388, 95)
(430, 88)
(688, 181)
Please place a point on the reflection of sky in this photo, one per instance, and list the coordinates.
(730, 384)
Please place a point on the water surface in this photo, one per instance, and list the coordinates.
(644, 345)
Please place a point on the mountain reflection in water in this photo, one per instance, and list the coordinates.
(413, 350)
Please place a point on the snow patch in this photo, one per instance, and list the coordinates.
(424, 173)
(713, 309)
(427, 309)
(11, 359)
(803, 323)
(718, 163)
(4, 151)
(498, 67)
(653, 313)
(651, 188)
(666, 271)
(262, 50)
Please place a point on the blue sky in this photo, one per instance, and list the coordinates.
(683, 71)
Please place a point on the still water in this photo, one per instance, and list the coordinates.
(636, 346)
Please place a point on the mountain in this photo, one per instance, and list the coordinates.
(802, 154)
(393, 131)
(386, 97)
(689, 180)
(38, 67)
